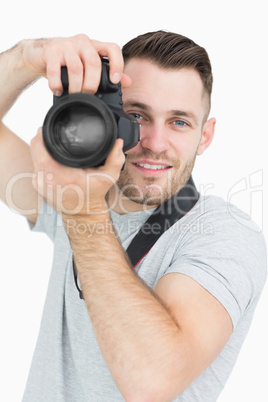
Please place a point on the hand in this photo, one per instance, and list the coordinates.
(73, 191)
(81, 55)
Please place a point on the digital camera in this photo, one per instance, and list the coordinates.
(80, 129)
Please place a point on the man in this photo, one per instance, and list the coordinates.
(171, 328)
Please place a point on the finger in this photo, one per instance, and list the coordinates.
(115, 159)
(126, 81)
(75, 71)
(92, 71)
(54, 74)
(89, 61)
(114, 54)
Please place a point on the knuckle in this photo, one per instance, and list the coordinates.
(82, 37)
(52, 46)
(115, 47)
(75, 67)
(94, 60)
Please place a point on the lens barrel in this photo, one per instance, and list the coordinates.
(79, 130)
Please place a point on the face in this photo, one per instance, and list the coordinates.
(170, 107)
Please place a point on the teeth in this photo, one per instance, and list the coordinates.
(153, 167)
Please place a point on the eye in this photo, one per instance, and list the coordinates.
(136, 116)
(180, 123)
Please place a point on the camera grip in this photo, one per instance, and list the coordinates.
(64, 80)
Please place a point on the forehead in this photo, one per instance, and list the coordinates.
(165, 89)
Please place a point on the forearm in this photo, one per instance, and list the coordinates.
(137, 335)
(14, 76)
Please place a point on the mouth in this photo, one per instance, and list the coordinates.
(152, 168)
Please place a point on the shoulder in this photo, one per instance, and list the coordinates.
(227, 223)
(222, 233)
(227, 217)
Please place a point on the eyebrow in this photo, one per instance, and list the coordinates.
(147, 108)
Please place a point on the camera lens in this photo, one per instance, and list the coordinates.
(79, 131)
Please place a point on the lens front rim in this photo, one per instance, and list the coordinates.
(56, 149)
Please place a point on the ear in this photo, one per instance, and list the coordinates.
(207, 135)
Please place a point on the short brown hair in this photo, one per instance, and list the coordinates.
(171, 50)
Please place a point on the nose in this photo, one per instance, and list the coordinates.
(154, 138)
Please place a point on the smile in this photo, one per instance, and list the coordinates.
(152, 167)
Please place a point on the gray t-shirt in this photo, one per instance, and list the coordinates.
(215, 244)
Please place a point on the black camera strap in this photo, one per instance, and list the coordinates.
(164, 216)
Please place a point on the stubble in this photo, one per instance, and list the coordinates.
(149, 192)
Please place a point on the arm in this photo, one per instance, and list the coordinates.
(154, 343)
(15, 158)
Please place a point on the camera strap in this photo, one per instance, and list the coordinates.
(164, 216)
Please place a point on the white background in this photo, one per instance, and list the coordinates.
(235, 167)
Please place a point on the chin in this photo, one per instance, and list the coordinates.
(151, 192)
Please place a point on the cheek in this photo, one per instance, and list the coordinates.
(185, 146)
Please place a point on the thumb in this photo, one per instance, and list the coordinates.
(115, 159)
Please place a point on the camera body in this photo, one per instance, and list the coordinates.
(80, 129)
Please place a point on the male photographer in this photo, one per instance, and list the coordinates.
(171, 327)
